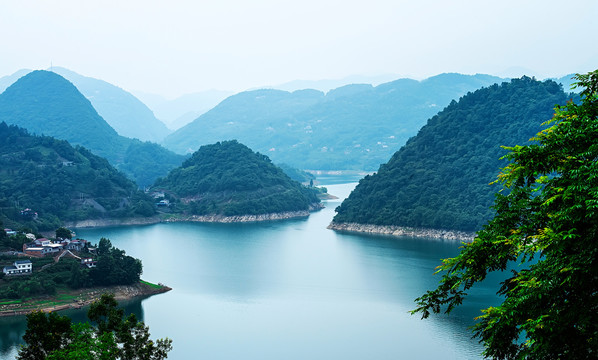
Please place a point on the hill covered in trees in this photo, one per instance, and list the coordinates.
(45, 103)
(59, 183)
(229, 179)
(440, 178)
(352, 127)
(121, 109)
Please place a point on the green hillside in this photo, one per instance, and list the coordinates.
(352, 127)
(228, 178)
(440, 178)
(121, 110)
(45, 103)
(60, 183)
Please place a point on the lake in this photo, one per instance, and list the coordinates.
(288, 290)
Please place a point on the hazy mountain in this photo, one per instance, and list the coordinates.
(45, 103)
(356, 126)
(567, 81)
(60, 183)
(123, 111)
(440, 178)
(228, 178)
(8, 80)
(180, 111)
(329, 84)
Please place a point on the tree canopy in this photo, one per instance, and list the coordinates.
(544, 232)
(116, 336)
(228, 178)
(439, 179)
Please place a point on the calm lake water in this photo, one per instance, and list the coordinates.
(288, 290)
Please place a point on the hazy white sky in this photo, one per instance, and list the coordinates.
(175, 47)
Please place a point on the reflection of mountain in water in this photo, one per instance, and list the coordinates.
(12, 329)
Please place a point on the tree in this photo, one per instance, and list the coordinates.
(546, 223)
(44, 334)
(116, 337)
(63, 233)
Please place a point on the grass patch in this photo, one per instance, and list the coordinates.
(150, 284)
(9, 302)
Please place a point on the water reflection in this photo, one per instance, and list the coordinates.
(12, 329)
(293, 290)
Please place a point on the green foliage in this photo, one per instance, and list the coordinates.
(54, 337)
(353, 127)
(44, 335)
(114, 267)
(62, 183)
(63, 233)
(228, 178)
(546, 222)
(440, 178)
(296, 174)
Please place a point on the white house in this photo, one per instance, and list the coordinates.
(19, 267)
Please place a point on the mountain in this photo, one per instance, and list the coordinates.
(45, 181)
(8, 80)
(45, 103)
(123, 111)
(229, 179)
(440, 178)
(180, 111)
(356, 126)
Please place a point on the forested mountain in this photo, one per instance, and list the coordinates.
(45, 103)
(352, 127)
(440, 178)
(60, 183)
(228, 178)
(8, 80)
(121, 110)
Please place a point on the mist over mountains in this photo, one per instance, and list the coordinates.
(44, 102)
(356, 126)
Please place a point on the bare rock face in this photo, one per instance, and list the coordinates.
(403, 231)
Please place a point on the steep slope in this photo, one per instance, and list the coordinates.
(440, 178)
(121, 110)
(229, 179)
(60, 183)
(44, 102)
(352, 127)
(8, 80)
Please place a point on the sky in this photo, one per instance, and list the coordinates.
(177, 47)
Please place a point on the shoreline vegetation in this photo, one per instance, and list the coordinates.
(400, 231)
(93, 223)
(77, 299)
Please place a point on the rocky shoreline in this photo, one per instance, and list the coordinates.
(91, 223)
(81, 298)
(403, 231)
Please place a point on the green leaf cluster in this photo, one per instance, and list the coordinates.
(546, 223)
(440, 178)
(54, 337)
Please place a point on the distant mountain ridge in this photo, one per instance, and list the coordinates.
(440, 178)
(354, 127)
(45, 103)
(121, 109)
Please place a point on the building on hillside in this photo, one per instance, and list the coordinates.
(19, 267)
(89, 262)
